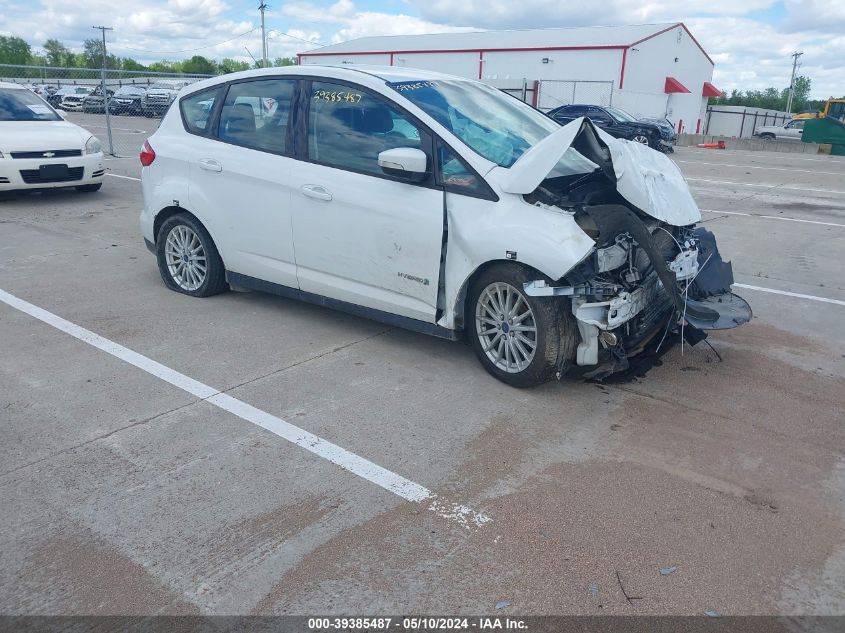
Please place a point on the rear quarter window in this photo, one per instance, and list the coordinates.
(196, 110)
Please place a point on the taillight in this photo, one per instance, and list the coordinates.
(147, 154)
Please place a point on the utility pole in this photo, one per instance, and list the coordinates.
(795, 57)
(262, 7)
(103, 86)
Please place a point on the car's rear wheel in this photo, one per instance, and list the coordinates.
(89, 188)
(188, 259)
(767, 137)
(519, 339)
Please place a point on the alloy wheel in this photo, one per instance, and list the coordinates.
(185, 258)
(640, 138)
(506, 328)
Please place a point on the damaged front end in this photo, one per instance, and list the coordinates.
(651, 271)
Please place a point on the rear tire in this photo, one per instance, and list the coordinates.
(545, 340)
(89, 188)
(767, 137)
(188, 260)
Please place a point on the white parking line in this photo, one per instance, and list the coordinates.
(347, 460)
(791, 294)
(773, 217)
(756, 154)
(802, 171)
(750, 184)
(124, 177)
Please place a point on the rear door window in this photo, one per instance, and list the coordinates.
(256, 114)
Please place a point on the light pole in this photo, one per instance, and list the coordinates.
(789, 98)
(262, 7)
(103, 87)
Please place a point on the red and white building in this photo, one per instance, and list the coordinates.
(651, 70)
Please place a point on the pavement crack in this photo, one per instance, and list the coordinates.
(628, 597)
(70, 449)
(308, 360)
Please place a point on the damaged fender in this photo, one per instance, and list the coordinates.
(645, 178)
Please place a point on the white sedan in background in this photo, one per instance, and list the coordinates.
(40, 150)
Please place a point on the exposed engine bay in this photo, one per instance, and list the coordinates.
(644, 278)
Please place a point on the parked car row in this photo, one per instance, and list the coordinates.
(131, 99)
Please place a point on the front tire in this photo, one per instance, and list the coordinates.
(520, 340)
(188, 260)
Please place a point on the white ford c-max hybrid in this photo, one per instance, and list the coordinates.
(434, 203)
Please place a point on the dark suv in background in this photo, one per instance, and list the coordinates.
(619, 124)
(127, 100)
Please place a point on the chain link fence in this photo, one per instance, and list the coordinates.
(119, 107)
(553, 93)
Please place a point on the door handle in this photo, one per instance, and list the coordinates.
(316, 191)
(209, 164)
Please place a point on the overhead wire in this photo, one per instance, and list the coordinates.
(185, 50)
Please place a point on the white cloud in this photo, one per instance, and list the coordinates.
(547, 13)
(749, 53)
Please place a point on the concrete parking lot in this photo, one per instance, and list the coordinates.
(122, 493)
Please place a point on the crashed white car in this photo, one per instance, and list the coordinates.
(437, 204)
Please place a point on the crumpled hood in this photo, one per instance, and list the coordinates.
(33, 136)
(644, 177)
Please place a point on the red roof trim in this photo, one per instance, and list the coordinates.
(539, 48)
(709, 90)
(674, 26)
(472, 50)
(673, 85)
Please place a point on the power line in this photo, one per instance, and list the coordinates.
(301, 39)
(187, 50)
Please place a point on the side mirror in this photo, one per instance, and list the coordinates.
(408, 163)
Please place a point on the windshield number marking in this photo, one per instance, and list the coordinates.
(349, 97)
(413, 86)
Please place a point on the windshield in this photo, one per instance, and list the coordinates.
(163, 86)
(22, 105)
(621, 115)
(497, 126)
(128, 90)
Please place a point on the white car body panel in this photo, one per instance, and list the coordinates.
(644, 177)
(45, 137)
(377, 241)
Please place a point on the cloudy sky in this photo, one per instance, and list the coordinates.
(750, 40)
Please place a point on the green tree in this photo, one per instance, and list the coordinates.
(199, 65)
(57, 53)
(229, 65)
(92, 55)
(164, 66)
(285, 61)
(127, 63)
(14, 50)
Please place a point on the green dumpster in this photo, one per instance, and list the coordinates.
(825, 130)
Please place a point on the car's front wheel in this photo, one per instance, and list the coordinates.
(519, 339)
(188, 259)
(642, 139)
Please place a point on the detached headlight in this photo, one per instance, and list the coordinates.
(93, 146)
